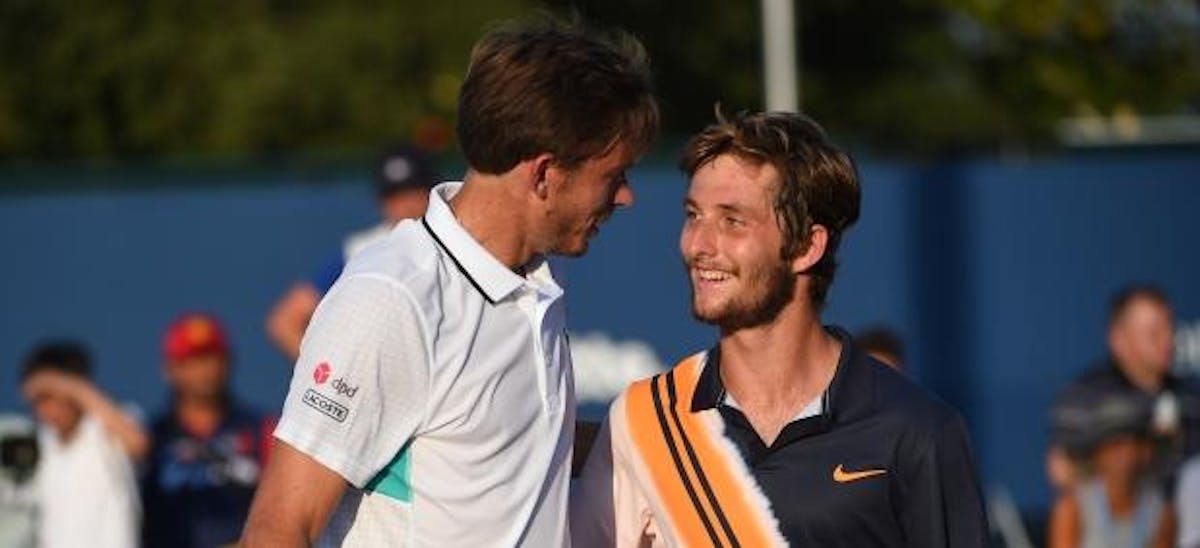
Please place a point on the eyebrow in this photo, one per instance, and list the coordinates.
(728, 208)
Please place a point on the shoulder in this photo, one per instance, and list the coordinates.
(646, 401)
(406, 252)
(640, 407)
(1103, 375)
(396, 274)
(684, 374)
(1066, 516)
(634, 397)
(920, 420)
(408, 259)
(357, 241)
(900, 397)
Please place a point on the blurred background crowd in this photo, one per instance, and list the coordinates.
(181, 181)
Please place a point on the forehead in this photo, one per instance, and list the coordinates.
(731, 180)
(1145, 308)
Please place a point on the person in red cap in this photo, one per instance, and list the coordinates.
(207, 447)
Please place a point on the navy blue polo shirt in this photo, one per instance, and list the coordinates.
(196, 492)
(885, 463)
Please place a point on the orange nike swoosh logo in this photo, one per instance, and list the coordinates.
(842, 476)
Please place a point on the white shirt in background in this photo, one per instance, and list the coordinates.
(87, 490)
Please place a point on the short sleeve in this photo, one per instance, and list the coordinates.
(942, 506)
(360, 386)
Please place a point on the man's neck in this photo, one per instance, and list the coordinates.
(774, 370)
(200, 416)
(1145, 380)
(488, 207)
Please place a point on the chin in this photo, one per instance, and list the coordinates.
(708, 314)
(572, 249)
(571, 252)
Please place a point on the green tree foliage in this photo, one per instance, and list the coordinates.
(153, 78)
(929, 76)
(702, 52)
(100, 79)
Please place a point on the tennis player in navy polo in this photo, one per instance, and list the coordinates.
(783, 433)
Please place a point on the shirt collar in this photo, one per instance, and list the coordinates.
(539, 275)
(850, 394)
(491, 277)
(1170, 381)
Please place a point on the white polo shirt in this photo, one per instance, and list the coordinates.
(438, 383)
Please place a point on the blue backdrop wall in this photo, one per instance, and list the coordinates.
(996, 274)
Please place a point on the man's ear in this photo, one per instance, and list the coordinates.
(541, 170)
(818, 238)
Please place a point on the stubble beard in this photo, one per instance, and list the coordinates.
(770, 290)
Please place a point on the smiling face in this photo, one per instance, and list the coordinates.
(731, 245)
(580, 200)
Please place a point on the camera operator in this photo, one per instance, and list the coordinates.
(18, 457)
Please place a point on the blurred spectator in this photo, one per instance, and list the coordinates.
(86, 489)
(403, 177)
(1141, 343)
(884, 345)
(1117, 505)
(207, 447)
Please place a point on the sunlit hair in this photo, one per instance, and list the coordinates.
(818, 183)
(543, 85)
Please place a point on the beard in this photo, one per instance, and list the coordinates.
(768, 290)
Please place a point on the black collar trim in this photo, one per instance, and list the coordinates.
(457, 263)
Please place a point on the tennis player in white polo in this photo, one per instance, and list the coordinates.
(433, 403)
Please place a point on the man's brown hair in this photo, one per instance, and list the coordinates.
(543, 85)
(1122, 298)
(818, 183)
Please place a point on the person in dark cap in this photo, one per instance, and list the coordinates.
(402, 179)
(1141, 346)
(1116, 501)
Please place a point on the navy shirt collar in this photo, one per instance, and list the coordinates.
(850, 395)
